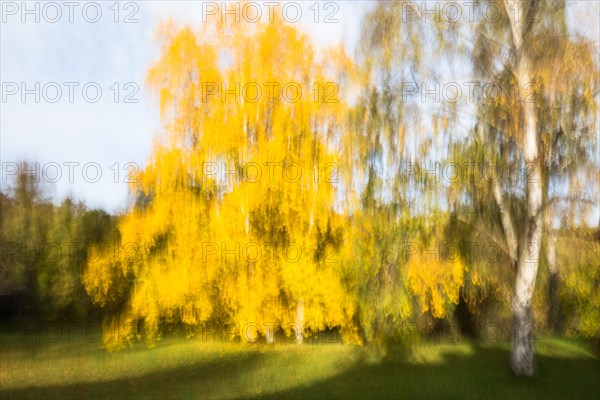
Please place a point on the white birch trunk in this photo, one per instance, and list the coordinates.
(300, 321)
(522, 357)
(522, 354)
(270, 333)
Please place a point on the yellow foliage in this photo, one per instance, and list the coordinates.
(435, 279)
(236, 190)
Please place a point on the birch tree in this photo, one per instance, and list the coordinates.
(543, 72)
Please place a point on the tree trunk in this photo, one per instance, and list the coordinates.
(522, 359)
(522, 355)
(300, 321)
(554, 315)
(270, 333)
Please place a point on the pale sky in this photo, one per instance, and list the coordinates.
(106, 135)
(100, 54)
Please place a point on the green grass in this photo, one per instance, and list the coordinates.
(192, 369)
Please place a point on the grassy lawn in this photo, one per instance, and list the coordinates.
(192, 369)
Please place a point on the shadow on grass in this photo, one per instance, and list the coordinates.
(195, 380)
(483, 374)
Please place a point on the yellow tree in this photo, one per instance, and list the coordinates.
(231, 209)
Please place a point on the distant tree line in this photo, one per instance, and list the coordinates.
(44, 250)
